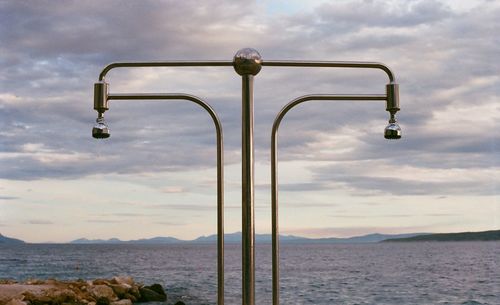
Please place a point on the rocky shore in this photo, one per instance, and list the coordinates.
(116, 291)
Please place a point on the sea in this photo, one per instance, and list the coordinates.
(423, 273)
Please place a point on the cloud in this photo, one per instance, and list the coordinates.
(8, 198)
(39, 222)
(105, 221)
(187, 206)
(173, 189)
(170, 223)
(448, 91)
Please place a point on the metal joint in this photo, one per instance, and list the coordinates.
(392, 92)
(101, 96)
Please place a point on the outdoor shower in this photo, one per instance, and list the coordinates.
(248, 63)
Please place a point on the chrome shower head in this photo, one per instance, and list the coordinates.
(393, 130)
(100, 129)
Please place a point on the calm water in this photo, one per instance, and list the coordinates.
(413, 273)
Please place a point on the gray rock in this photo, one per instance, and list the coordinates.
(148, 295)
(157, 288)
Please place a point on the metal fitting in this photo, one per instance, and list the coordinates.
(392, 91)
(247, 61)
(101, 96)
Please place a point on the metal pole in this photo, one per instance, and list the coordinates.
(247, 179)
(247, 63)
(220, 171)
(274, 173)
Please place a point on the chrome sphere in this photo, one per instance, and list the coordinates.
(392, 131)
(247, 61)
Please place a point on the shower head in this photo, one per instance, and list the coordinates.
(100, 129)
(393, 130)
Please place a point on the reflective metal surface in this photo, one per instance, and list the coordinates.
(100, 129)
(274, 172)
(143, 64)
(392, 131)
(101, 96)
(392, 92)
(332, 64)
(220, 170)
(247, 62)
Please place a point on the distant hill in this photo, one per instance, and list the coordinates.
(234, 238)
(154, 240)
(463, 236)
(4, 240)
(370, 238)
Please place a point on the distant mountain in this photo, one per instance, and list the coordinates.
(370, 238)
(463, 236)
(96, 241)
(4, 240)
(259, 238)
(154, 240)
(233, 238)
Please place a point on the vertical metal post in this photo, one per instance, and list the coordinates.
(247, 179)
(247, 63)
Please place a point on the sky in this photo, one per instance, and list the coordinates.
(155, 175)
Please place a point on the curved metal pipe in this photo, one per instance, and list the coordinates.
(274, 170)
(208, 63)
(332, 64)
(220, 172)
(271, 63)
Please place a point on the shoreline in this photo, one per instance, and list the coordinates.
(119, 290)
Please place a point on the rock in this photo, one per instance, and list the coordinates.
(37, 299)
(180, 303)
(102, 301)
(16, 302)
(115, 291)
(135, 292)
(157, 288)
(101, 282)
(130, 297)
(102, 291)
(62, 296)
(148, 295)
(122, 302)
(123, 280)
(120, 289)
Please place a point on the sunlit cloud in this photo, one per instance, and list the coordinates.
(330, 154)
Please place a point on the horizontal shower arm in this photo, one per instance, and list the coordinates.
(144, 64)
(332, 64)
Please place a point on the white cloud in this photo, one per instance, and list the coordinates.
(442, 53)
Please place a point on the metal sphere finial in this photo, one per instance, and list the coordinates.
(247, 61)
